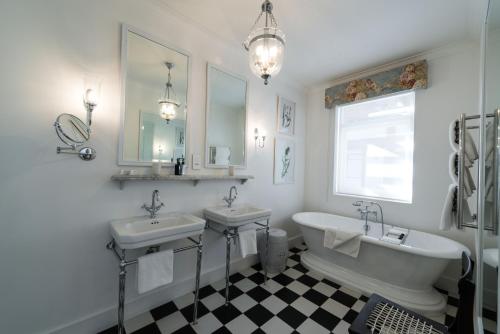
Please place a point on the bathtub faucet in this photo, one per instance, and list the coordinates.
(366, 212)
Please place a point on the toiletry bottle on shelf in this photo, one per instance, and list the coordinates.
(177, 167)
(183, 166)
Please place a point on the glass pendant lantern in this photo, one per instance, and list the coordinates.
(167, 104)
(265, 45)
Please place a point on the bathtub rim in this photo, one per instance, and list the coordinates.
(452, 254)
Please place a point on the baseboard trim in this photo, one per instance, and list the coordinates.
(105, 318)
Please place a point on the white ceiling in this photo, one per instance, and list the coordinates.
(329, 38)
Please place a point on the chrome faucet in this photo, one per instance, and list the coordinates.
(154, 208)
(366, 212)
(229, 200)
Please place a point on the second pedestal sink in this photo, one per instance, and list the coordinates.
(236, 215)
(144, 231)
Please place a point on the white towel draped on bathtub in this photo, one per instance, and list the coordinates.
(345, 242)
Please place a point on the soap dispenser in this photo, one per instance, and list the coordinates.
(178, 167)
(183, 166)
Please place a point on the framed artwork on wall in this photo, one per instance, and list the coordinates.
(284, 161)
(286, 116)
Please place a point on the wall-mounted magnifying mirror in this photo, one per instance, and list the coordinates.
(225, 119)
(154, 101)
(73, 132)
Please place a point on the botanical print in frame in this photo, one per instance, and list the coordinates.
(284, 161)
(179, 136)
(286, 116)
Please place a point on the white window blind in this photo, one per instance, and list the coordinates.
(374, 148)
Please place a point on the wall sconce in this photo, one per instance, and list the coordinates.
(259, 139)
(73, 132)
(91, 97)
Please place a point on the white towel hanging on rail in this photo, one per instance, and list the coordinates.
(469, 146)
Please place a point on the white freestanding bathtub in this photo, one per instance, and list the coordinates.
(403, 273)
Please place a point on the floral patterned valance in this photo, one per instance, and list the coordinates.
(410, 76)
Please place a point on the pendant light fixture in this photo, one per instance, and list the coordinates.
(167, 104)
(265, 45)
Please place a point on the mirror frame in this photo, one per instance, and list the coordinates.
(123, 72)
(207, 112)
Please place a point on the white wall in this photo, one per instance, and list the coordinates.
(54, 209)
(453, 89)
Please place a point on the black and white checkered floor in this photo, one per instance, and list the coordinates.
(295, 301)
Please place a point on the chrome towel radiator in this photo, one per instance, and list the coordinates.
(461, 128)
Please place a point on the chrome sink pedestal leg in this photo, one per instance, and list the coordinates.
(228, 263)
(198, 273)
(267, 252)
(121, 294)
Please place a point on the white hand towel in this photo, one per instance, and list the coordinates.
(154, 270)
(248, 242)
(448, 217)
(469, 185)
(345, 242)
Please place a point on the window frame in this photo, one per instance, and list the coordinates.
(333, 152)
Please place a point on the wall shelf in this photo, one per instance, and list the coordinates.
(195, 178)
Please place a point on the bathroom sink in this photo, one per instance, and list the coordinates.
(236, 215)
(144, 231)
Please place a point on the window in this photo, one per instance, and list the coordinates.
(374, 148)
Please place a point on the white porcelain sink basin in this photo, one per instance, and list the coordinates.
(236, 215)
(144, 231)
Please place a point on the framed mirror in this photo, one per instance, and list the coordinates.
(154, 100)
(226, 116)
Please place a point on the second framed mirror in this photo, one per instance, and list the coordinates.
(226, 114)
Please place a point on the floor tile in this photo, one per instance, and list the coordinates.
(315, 297)
(236, 278)
(234, 292)
(337, 309)
(292, 317)
(342, 327)
(207, 324)
(206, 291)
(259, 314)
(244, 302)
(213, 301)
(283, 279)
(301, 268)
(187, 311)
(272, 286)
(185, 330)
(226, 314)
(298, 287)
(325, 319)
(304, 306)
(257, 278)
(344, 298)
(219, 285)
(277, 326)
(245, 284)
(307, 280)
(163, 310)
(274, 304)
(310, 326)
(287, 295)
(258, 293)
(324, 288)
(293, 273)
(222, 330)
(358, 305)
(172, 322)
(241, 325)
